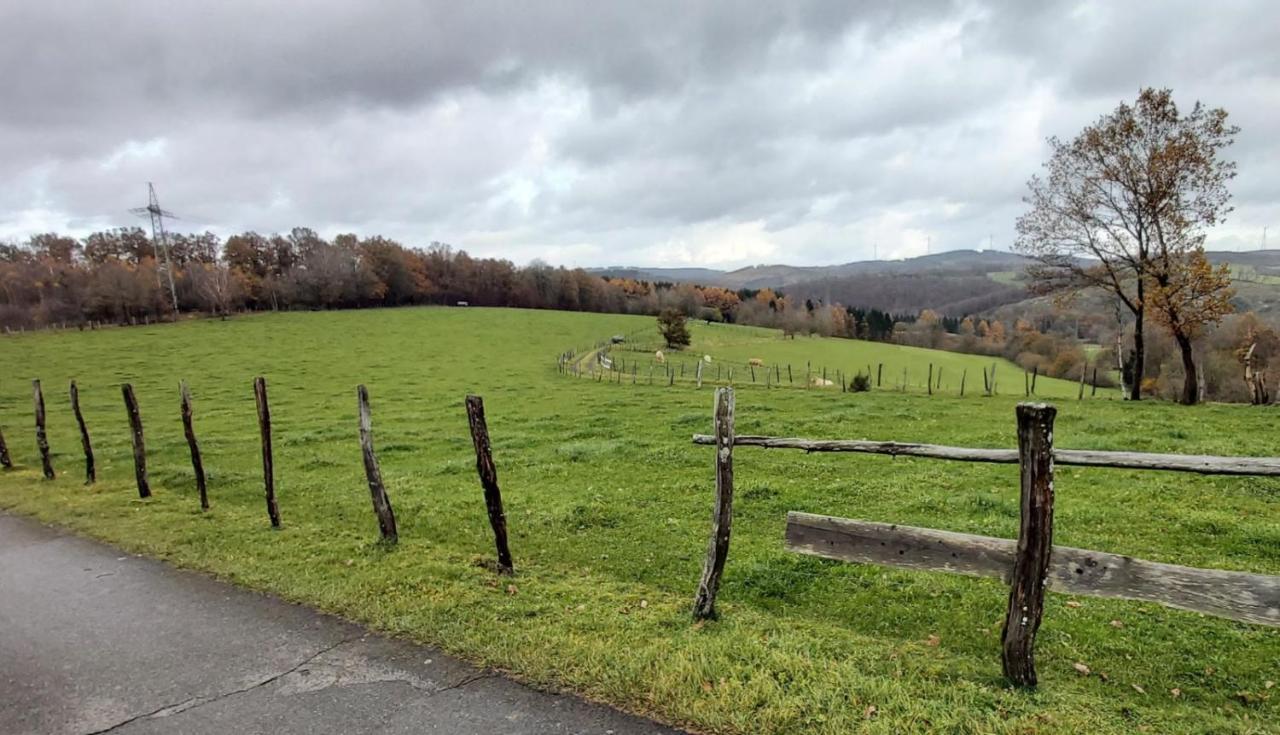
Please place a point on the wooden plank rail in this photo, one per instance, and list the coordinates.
(1199, 464)
(1031, 564)
(1243, 596)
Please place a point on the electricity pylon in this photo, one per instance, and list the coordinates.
(159, 239)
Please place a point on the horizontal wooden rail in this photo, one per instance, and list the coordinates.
(1250, 598)
(1199, 464)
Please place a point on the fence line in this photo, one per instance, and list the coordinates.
(602, 363)
(1031, 564)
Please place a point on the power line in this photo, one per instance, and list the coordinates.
(159, 238)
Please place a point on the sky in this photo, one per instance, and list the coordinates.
(590, 133)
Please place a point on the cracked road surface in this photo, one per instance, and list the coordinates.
(93, 640)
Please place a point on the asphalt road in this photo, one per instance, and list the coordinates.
(93, 640)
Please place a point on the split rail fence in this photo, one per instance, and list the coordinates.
(1031, 564)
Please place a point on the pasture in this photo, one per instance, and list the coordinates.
(608, 506)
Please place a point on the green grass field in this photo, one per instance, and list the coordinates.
(608, 504)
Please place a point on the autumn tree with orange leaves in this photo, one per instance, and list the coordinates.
(1187, 294)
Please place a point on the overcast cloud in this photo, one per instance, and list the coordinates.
(590, 133)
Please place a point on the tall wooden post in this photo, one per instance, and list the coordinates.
(42, 438)
(1035, 543)
(378, 491)
(879, 372)
(188, 428)
(1083, 370)
(90, 472)
(489, 481)
(929, 381)
(268, 465)
(5, 460)
(139, 445)
(699, 374)
(704, 607)
(963, 374)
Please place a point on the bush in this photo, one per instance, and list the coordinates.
(860, 383)
(671, 322)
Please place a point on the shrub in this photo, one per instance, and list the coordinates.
(671, 322)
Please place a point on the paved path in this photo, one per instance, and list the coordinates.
(93, 641)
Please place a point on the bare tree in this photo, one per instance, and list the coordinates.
(216, 287)
(1123, 204)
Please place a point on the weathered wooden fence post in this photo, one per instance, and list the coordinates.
(1084, 369)
(1035, 543)
(139, 445)
(378, 491)
(42, 438)
(489, 481)
(963, 374)
(790, 380)
(1035, 373)
(90, 471)
(929, 381)
(268, 465)
(699, 374)
(188, 428)
(704, 607)
(1094, 392)
(879, 372)
(6, 461)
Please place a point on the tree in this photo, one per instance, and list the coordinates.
(674, 329)
(1187, 293)
(1125, 201)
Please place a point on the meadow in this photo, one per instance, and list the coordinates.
(608, 506)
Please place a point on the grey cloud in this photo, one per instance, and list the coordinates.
(600, 132)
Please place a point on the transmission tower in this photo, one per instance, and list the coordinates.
(159, 238)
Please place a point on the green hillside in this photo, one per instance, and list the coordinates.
(608, 506)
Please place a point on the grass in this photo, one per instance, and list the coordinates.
(608, 505)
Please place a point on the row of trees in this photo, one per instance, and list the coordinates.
(118, 276)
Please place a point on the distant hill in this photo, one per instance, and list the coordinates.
(956, 282)
(778, 276)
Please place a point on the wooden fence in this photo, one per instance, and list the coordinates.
(638, 362)
(382, 509)
(1029, 565)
